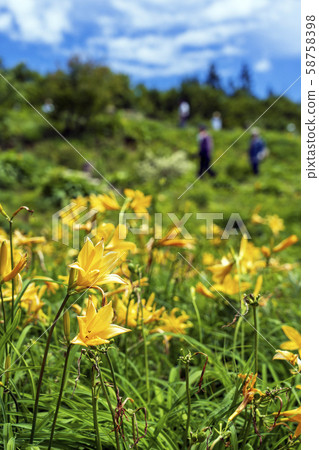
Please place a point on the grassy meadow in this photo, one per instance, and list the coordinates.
(211, 358)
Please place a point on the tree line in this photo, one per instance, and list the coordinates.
(84, 97)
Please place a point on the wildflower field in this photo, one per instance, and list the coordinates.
(182, 334)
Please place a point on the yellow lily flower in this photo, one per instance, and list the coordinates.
(293, 415)
(21, 239)
(6, 274)
(249, 392)
(251, 259)
(128, 288)
(171, 240)
(82, 310)
(292, 358)
(285, 243)
(231, 286)
(32, 302)
(256, 219)
(111, 237)
(294, 337)
(96, 327)
(208, 259)
(202, 289)
(174, 324)
(275, 223)
(104, 202)
(139, 202)
(265, 251)
(131, 310)
(259, 283)
(94, 268)
(220, 271)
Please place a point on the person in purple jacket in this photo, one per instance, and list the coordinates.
(205, 143)
(256, 150)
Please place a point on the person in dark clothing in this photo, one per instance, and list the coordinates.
(256, 150)
(205, 149)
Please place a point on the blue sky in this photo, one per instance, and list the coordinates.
(159, 42)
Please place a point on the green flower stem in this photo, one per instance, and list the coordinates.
(198, 317)
(60, 394)
(106, 394)
(256, 337)
(94, 406)
(242, 309)
(112, 371)
(125, 337)
(45, 355)
(12, 266)
(188, 395)
(145, 357)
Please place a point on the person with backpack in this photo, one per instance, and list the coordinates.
(205, 143)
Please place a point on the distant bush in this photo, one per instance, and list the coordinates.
(17, 169)
(61, 184)
(155, 167)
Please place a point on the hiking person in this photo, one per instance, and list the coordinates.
(205, 144)
(256, 150)
(217, 121)
(183, 112)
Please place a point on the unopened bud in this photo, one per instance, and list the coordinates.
(2, 211)
(72, 279)
(66, 325)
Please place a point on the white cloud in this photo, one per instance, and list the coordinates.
(40, 22)
(263, 65)
(150, 38)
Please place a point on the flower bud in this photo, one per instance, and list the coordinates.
(3, 259)
(72, 279)
(2, 211)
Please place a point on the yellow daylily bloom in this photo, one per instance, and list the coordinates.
(114, 237)
(21, 239)
(251, 259)
(6, 274)
(285, 243)
(132, 311)
(104, 202)
(294, 337)
(249, 392)
(139, 202)
(7, 289)
(171, 240)
(259, 283)
(32, 302)
(275, 223)
(231, 286)
(293, 415)
(128, 288)
(174, 324)
(82, 310)
(96, 327)
(94, 268)
(292, 358)
(265, 251)
(202, 289)
(257, 219)
(220, 271)
(208, 259)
